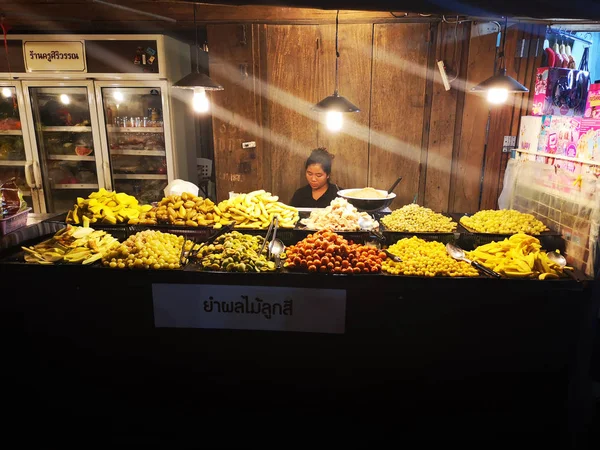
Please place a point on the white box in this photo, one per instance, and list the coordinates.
(529, 133)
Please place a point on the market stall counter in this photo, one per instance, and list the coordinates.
(173, 322)
(442, 350)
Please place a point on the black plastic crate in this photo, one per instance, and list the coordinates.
(394, 236)
(198, 233)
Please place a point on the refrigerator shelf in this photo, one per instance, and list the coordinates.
(13, 163)
(112, 129)
(128, 176)
(11, 133)
(70, 158)
(139, 152)
(75, 186)
(69, 129)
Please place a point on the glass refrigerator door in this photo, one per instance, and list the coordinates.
(137, 146)
(67, 141)
(15, 159)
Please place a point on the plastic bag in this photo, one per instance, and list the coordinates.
(178, 187)
(11, 199)
(510, 177)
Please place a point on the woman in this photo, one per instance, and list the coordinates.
(319, 192)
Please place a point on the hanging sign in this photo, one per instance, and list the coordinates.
(54, 56)
(249, 308)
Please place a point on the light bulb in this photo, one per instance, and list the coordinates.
(6, 92)
(64, 99)
(200, 101)
(334, 120)
(118, 96)
(497, 96)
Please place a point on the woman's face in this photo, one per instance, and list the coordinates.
(316, 176)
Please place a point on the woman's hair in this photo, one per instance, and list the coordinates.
(320, 156)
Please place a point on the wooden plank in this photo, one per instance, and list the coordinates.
(500, 123)
(431, 57)
(65, 10)
(443, 117)
(293, 81)
(351, 145)
(235, 110)
(469, 158)
(398, 99)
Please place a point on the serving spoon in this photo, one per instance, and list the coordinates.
(277, 247)
(389, 191)
(459, 254)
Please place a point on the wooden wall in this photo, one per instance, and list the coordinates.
(446, 144)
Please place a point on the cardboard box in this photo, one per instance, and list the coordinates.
(560, 92)
(529, 133)
(592, 107)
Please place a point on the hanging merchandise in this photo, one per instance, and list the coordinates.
(560, 91)
(550, 58)
(583, 65)
(565, 57)
(559, 59)
(572, 64)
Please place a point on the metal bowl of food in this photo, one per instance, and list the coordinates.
(368, 199)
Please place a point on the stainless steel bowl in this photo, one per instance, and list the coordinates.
(368, 204)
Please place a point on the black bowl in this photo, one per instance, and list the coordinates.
(368, 204)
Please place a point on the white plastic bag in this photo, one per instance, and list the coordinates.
(178, 187)
(510, 178)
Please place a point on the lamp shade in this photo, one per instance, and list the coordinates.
(198, 80)
(336, 103)
(500, 81)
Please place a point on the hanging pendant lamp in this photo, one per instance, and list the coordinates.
(198, 81)
(499, 85)
(335, 105)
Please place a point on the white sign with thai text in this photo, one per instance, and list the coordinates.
(56, 56)
(249, 308)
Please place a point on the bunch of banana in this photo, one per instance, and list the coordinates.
(256, 210)
(106, 207)
(518, 256)
(72, 245)
(186, 209)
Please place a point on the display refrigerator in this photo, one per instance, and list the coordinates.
(66, 136)
(112, 121)
(16, 157)
(136, 144)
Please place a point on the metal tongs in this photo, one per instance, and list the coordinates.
(272, 228)
(381, 238)
(184, 258)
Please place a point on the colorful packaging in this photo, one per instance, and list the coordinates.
(592, 107)
(560, 92)
(588, 146)
(529, 132)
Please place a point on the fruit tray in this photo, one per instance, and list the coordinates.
(470, 239)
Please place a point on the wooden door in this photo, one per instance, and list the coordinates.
(397, 107)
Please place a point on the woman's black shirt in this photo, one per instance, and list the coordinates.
(303, 197)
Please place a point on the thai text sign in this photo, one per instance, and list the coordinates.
(56, 56)
(249, 308)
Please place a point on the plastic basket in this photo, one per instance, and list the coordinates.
(14, 222)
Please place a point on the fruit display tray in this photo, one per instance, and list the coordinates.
(470, 239)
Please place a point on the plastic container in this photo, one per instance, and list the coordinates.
(13, 223)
